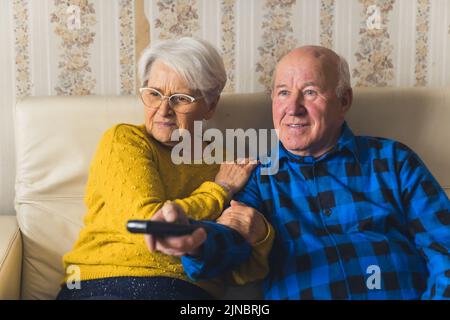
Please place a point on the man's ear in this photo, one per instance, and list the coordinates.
(346, 100)
(212, 108)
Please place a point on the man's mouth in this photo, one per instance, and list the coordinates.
(297, 125)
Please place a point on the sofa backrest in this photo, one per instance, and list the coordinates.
(57, 136)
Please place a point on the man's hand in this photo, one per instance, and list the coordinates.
(246, 220)
(175, 246)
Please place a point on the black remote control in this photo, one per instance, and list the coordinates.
(160, 229)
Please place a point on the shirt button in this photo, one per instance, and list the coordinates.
(327, 212)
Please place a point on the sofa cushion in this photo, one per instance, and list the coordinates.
(55, 140)
(10, 258)
(417, 117)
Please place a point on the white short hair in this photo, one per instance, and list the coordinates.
(196, 61)
(344, 82)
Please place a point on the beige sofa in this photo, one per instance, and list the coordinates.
(56, 138)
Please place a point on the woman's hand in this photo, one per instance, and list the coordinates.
(175, 246)
(233, 176)
(246, 220)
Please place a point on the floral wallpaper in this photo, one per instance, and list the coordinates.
(375, 66)
(127, 47)
(326, 23)
(228, 40)
(369, 40)
(177, 18)
(23, 83)
(76, 37)
(422, 26)
(277, 38)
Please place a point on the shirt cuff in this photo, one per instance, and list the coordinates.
(223, 249)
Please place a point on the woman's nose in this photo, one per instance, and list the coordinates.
(165, 109)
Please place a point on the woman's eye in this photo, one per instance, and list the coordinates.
(181, 100)
(154, 94)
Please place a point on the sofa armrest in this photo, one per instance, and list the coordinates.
(10, 258)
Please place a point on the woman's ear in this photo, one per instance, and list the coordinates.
(211, 108)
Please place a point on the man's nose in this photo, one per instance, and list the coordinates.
(296, 105)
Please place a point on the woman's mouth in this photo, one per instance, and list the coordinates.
(166, 124)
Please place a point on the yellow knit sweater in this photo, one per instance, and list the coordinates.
(131, 176)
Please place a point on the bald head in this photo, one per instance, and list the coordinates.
(334, 66)
(322, 54)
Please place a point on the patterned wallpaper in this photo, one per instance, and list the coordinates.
(21, 48)
(177, 18)
(76, 38)
(251, 34)
(387, 42)
(374, 53)
(277, 37)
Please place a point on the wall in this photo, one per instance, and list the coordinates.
(80, 47)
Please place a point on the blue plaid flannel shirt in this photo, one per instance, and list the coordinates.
(365, 221)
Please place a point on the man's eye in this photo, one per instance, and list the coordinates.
(309, 92)
(283, 93)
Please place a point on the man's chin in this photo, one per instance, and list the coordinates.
(296, 149)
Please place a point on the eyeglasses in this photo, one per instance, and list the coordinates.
(179, 102)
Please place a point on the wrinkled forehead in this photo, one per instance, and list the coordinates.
(308, 65)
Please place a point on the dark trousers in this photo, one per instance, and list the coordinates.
(134, 288)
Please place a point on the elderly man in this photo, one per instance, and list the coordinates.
(355, 217)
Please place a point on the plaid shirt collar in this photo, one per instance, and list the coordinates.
(346, 142)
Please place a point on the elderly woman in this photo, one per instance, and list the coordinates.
(132, 176)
